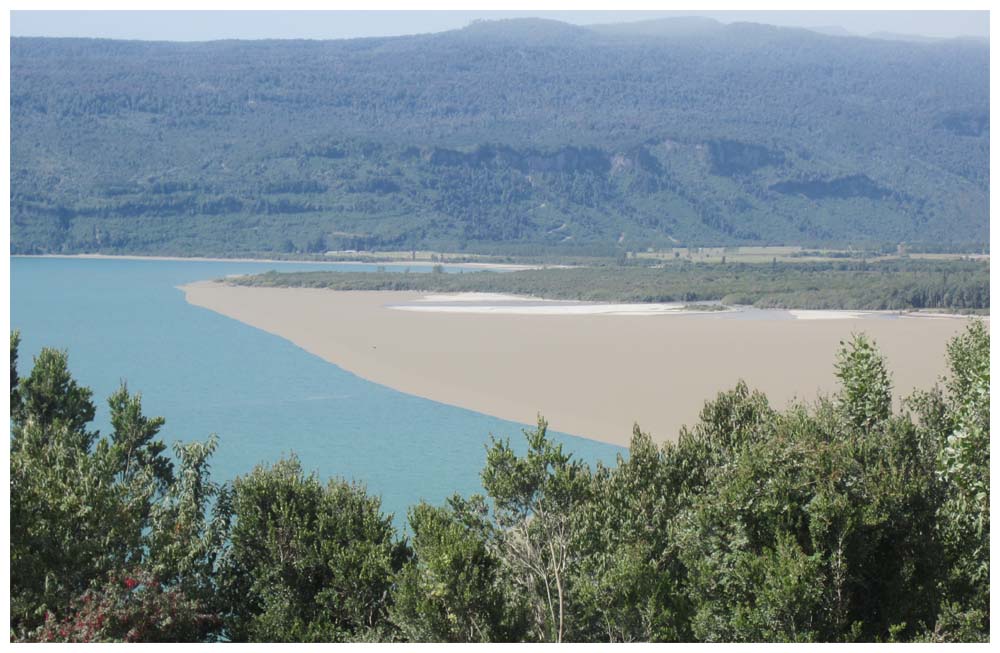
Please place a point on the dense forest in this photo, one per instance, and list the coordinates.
(838, 520)
(900, 284)
(503, 137)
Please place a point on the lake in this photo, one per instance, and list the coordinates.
(126, 320)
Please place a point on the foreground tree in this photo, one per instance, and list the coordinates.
(81, 506)
(15, 397)
(959, 420)
(866, 389)
(454, 588)
(628, 579)
(189, 526)
(537, 499)
(65, 524)
(839, 520)
(52, 403)
(307, 562)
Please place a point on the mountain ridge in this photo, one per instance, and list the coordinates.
(740, 134)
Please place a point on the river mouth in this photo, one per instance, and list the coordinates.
(590, 373)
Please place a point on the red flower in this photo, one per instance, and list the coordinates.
(131, 583)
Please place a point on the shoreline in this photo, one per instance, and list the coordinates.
(212, 259)
(503, 304)
(805, 312)
(593, 376)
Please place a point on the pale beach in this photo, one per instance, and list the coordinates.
(592, 373)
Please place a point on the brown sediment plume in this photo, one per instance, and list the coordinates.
(589, 375)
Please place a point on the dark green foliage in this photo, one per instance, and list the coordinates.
(306, 562)
(887, 285)
(963, 466)
(15, 397)
(791, 539)
(508, 137)
(837, 521)
(186, 538)
(59, 541)
(628, 580)
(536, 503)
(455, 588)
(84, 509)
(866, 390)
(824, 523)
(132, 448)
(69, 525)
(51, 402)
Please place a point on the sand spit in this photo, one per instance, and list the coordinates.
(474, 297)
(591, 375)
(828, 315)
(550, 308)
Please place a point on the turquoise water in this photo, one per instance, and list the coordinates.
(262, 395)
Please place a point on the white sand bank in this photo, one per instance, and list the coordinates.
(548, 308)
(474, 297)
(827, 315)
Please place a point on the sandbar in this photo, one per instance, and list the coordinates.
(592, 375)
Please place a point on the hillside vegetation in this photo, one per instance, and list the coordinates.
(504, 137)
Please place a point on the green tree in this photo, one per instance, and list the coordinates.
(53, 401)
(963, 465)
(15, 397)
(65, 527)
(866, 389)
(69, 525)
(536, 501)
(454, 589)
(629, 581)
(833, 521)
(810, 531)
(132, 447)
(306, 562)
(189, 525)
(82, 509)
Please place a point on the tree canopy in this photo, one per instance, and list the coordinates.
(838, 520)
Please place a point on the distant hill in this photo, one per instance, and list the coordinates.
(506, 136)
(683, 26)
(831, 30)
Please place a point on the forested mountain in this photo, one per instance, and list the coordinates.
(499, 136)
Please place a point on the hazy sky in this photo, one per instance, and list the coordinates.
(209, 25)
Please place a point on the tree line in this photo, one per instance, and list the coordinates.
(835, 520)
(857, 285)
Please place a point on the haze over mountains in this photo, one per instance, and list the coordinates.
(506, 136)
